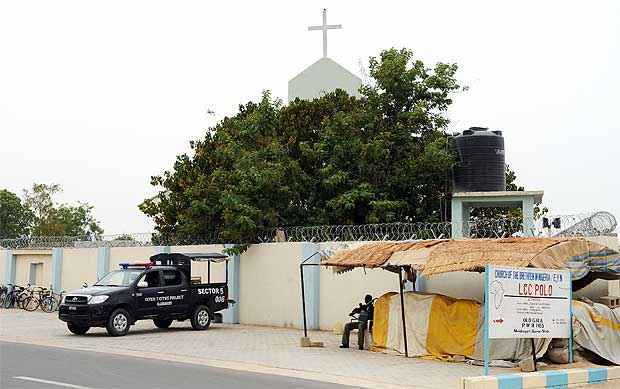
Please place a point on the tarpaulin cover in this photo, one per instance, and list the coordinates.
(597, 329)
(440, 256)
(440, 327)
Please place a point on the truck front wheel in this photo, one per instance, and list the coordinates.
(76, 329)
(118, 322)
(201, 318)
(162, 323)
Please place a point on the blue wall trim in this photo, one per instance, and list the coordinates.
(597, 375)
(103, 261)
(231, 315)
(9, 267)
(510, 382)
(312, 277)
(556, 379)
(57, 269)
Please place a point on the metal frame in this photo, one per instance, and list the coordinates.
(303, 289)
(400, 288)
(201, 257)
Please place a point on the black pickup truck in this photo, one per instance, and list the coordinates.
(161, 289)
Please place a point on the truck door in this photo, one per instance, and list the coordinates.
(176, 289)
(149, 295)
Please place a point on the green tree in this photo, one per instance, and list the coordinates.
(53, 219)
(334, 160)
(15, 217)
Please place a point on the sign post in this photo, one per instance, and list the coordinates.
(485, 344)
(526, 303)
(570, 317)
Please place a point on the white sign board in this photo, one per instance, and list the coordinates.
(528, 303)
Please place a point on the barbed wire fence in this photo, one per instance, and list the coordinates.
(593, 223)
(576, 225)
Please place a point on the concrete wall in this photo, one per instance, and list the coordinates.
(78, 266)
(130, 254)
(340, 293)
(218, 270)
(269, 279)
(460, 284)
(270, 291)
(22, 266)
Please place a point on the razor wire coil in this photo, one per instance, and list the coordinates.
(597, 223)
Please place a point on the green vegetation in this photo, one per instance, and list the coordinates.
(338, 159)
(40, 215)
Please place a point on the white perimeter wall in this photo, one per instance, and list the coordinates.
(270, 292)
(78, 266)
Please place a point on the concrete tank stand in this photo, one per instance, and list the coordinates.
(463, 202)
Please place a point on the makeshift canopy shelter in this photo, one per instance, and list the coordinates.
(586, 260)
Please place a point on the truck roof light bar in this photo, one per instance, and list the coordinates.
(126, 265)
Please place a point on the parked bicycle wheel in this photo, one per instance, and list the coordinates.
(31, 303)
(8, 301)
(49, 304)
(21, 298)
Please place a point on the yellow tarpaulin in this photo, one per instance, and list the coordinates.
(380, 325)
(440, 327)
(598, 329)
(452, 327)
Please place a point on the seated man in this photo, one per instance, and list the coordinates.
(364, 313)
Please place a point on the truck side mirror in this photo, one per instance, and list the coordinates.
(142, 284)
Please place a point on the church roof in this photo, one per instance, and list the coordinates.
(322, 77)
(325, 61)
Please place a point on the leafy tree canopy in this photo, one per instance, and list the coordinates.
(337, 159)
(15, 217)
(52, 219)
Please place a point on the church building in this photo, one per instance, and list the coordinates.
(323, 76)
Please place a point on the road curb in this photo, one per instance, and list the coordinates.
(568, 378)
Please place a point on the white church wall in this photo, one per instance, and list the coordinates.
(323, 76)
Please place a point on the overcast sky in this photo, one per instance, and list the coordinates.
(99, 96)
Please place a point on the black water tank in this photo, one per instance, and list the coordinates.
(481, 164)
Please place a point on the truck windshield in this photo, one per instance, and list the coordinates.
(119, 278)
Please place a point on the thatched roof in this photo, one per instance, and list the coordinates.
(442, 256)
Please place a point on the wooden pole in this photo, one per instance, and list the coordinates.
(303, 299)
(533, 353)
(570, 317)
(402, 308)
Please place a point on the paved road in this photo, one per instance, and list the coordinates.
(49, 367)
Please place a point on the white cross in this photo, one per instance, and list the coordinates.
(325, 27)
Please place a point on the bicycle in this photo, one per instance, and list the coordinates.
(13, 291)
(23, 295)
(4, 290)
(33, 301)
(51, 301)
